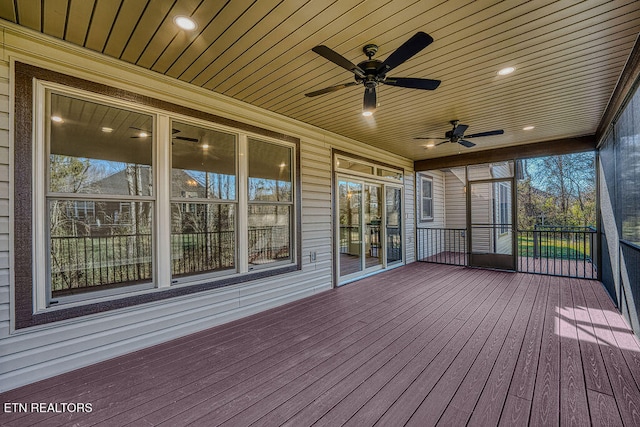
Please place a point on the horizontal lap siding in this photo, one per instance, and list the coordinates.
(315, 167)
(455, 202)
(33, 354)
(5, 311)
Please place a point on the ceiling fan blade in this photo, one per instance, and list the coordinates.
(415, 44)
(339, 60)
(330, 89)
(186, 138)
(443, 142)
(370, 99)
(491, 132)
(426, 137)
(467, 144)
(459, 130)
(412, 83)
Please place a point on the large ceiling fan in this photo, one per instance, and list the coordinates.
(373, 72)
(457, 135)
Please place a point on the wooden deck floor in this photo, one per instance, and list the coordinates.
(421, 345)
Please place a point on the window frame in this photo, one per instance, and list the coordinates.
(186, 280)
(504, 204)
(423, 217)
(45, 301)
(290, 203)
(30, 296)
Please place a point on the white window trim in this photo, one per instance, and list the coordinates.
(374, 171)
(423, 217)
(161, 276)
(503, 188)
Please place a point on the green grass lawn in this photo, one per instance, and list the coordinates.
(550, 247)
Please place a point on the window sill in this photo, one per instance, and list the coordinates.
(85, 308)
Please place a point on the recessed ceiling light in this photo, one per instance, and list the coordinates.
(57, 119)
(506, 71)
(528, 128)
(107, 130)
(143, 135)
(367, 113)
(430, 145)
(185, 23)
(205, 146)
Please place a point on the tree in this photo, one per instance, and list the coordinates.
(557, 190)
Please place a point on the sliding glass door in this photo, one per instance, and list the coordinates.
(369, 227)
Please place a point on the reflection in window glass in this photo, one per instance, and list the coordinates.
(98, 245)
(97, 242)
(204, 163)
(98, 149)
(354, 166)
(269, 172)
(269, 233)
(270, 195)
(386, 173)
(203, 236)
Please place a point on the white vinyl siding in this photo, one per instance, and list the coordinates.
(27, 353)
(5, 310)
(456, 209)
(455, 201)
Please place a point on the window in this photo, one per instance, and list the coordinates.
(504, 203)
(203, 230)
(270, 202)
(365, 168)
(138, 197)
(426, 198)
(99, 197)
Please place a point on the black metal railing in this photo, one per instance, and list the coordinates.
(82, 263)
(558, 251)
(269, 244)
(394, 244)
(200, 252)
(88, 262)
(442, 245)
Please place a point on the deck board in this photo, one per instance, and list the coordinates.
(544, 405)
(574, 408)
(422, 344)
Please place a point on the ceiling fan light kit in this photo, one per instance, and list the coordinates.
(373, 72)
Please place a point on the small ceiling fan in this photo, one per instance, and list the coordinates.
(373, 72)
(457, 135)
(145, 133)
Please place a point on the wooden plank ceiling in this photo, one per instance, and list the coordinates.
(568, 57)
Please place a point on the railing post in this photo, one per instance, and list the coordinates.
(536, 253)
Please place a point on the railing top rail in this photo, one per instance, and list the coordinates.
(572, 228)
(441, 229)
